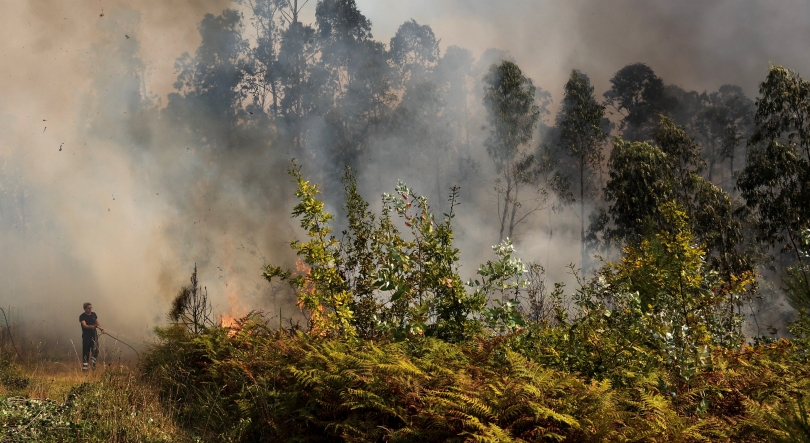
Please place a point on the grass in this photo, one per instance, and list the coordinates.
(53, 401)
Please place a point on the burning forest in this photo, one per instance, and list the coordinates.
(470, 221)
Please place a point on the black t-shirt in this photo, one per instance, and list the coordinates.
(89, 320)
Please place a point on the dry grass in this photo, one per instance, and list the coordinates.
(61, 403)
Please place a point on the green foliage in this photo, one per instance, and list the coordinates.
(684, 301)
(648, 350)
(375, 281)
(797, 289)
(190, 307)
(512, 114)
(263, 385)
(638, 185)
(321, 289)
(498, 280)
(26, 419)
(421, 274)
(658, 312)
(795, 424)
(581, 121)
(511, 110)
(776, 181)
(637, 95)
(643, 177)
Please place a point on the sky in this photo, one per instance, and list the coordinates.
(88, 222)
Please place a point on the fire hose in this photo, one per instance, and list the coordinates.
(8, 328)
(124, 343)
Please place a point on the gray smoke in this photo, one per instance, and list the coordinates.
(111, 189)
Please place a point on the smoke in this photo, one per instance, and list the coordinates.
(695, 44)
(101, 201)
(112, 185)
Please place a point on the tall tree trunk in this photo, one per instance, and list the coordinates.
(273, 88)
(438, 182)
(582, 211)
(507, 195)
(731, 169)
(514, 210)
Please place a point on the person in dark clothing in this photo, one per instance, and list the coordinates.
(90, 328)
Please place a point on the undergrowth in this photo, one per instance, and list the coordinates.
(262, 385)
(110, 405)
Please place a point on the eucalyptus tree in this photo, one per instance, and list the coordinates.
(727, 119)
(454, 72)
(580, 123)
(509, 99)
(354, 77)
(637, 95)
(414, 51)
(296, 60)
(208, 101)
(776, 181)
(342, 34)
(263, 74)
(646, 175)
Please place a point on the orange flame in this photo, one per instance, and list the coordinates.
(317, 315)
(303, 269)
(229, 322)
(235, 309)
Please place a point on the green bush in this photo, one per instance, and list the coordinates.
(398, 348)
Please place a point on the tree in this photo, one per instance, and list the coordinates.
(454, 71)
(637, 95)
(639, 183)
(726, 119)
(296, 59)
(643, 177)
(355, 81)
(580, 122)
(342, 31)
(263, 72)
(421, 125)
(191, 308)
(509, 98)
(414, 50)
(377, 281)
(209, 96)
(689, 301)
(776, 181)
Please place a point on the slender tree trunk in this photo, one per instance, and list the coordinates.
(466, 121)
(438, 182)
(582, 211)
(731, 169)
(514, 210)
(275, 97)
(507, 195)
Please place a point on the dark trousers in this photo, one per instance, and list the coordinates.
(89, 345)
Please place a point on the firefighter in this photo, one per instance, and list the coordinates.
(90, 328)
